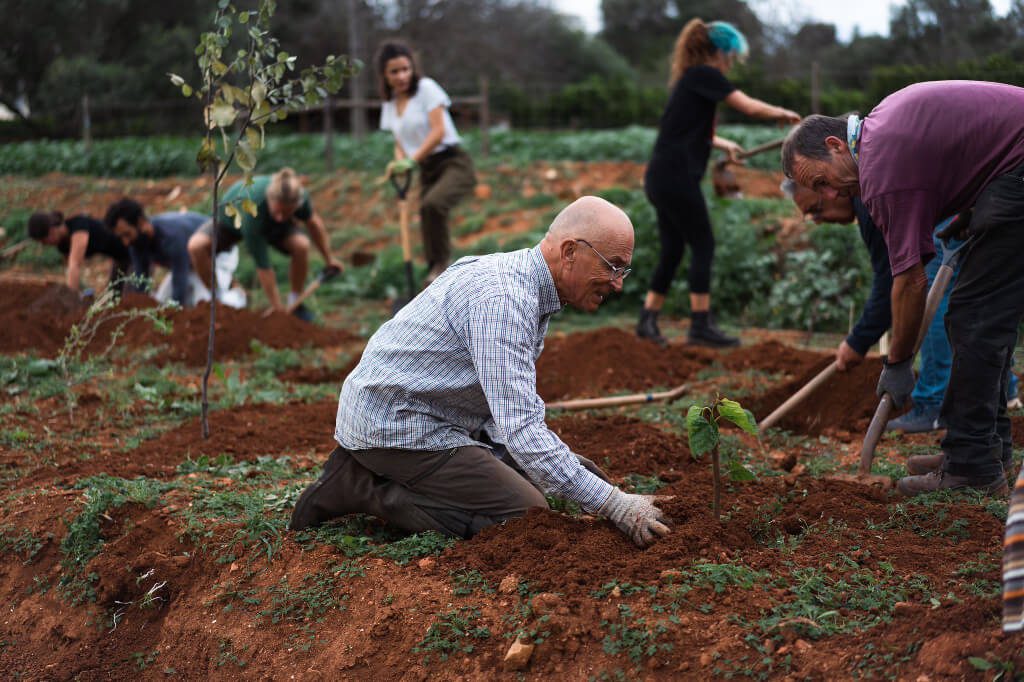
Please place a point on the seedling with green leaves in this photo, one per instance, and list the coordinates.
(703, 434)
(242, 91)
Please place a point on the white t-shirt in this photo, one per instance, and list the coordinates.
(413, 126)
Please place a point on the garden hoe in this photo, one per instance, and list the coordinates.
(724, 181)
(401, 185)
(328, 273)
(798, 397)
(885, 404)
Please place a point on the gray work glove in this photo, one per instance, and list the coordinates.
(897, 379)
(593, 468)
(636, 516)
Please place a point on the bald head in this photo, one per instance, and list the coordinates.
(590, 218)
(587, 245)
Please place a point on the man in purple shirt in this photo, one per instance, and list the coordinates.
(928, 151)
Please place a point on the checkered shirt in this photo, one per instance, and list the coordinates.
(462, 357)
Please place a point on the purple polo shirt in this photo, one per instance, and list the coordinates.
(928, 150)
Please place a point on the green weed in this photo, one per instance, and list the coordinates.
(452, 633)
(633, 636)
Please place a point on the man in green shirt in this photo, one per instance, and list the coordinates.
(280, 202)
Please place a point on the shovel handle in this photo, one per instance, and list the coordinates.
(798, 397)
(631, 399)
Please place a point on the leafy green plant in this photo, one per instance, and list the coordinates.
(703, 434)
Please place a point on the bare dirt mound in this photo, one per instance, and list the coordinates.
(622, 445)
(243, 433)
(772, 357)
(596, 363)
(36, 318)
(845, 402)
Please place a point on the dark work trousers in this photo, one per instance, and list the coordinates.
(446, 178)
(985, 309)
(682, 219)
(457, 492)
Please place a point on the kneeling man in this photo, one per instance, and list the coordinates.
(440, 426)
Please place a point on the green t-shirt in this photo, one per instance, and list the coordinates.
(262, 230)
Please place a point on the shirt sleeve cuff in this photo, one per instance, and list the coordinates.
(588, 490)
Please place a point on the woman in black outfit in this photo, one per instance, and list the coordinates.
(703, 54)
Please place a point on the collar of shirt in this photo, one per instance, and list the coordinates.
(853, 136)
(547, 296)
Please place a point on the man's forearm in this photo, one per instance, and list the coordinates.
(268, 279)
(909, 293)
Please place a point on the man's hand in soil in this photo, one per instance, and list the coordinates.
(847, 357)
(636, 516)
(897, 380)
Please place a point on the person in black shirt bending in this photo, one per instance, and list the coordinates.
(703, 54)
(80, 237)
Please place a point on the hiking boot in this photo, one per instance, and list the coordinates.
(918, 465)
(647, 327)
(940, 480)
(303, 313)
(704, 332)
(919, 420)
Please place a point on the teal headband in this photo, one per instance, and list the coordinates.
(727, 38)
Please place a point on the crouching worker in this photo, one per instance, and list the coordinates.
(77, 238)
(163, 240)
(455, 372)
(281, 202)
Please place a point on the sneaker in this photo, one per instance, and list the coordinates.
(647, 327)
(940, 480)
(1014, 403)
(303, 313)
(918, 420)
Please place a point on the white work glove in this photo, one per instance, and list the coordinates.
(636, 516)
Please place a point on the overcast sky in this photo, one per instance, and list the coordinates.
(872, 16)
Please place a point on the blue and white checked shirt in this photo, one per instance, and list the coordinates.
(462, 357)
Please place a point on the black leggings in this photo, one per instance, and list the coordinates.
(683, 219)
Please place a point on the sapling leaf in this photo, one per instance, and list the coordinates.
(249, 206)
(245, 155)
(980, 663)
(739, 473)
(734, 412)
(702, 434)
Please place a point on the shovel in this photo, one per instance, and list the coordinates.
(798, 397)
(401, 183)
(325, 275)
(723, 180)
(949, 261)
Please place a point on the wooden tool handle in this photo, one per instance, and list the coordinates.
(631, 399)
(403, 208)
(798, 397)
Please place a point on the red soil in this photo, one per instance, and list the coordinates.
(37, 318)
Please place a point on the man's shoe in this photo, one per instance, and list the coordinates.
(940, 480)
(647, 327)
(918, 465)
(704, 332)
(918, 420)
(304, 313)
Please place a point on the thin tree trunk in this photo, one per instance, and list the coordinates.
(213, 307)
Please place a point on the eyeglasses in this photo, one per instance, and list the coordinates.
(617, 272)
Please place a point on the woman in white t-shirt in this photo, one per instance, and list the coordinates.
(415, 110)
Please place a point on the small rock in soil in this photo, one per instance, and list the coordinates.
(518, 656)
(426, 564)
(705, 660)
(508, 584)
(545, 602)
(802, 646)
(670, 575)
